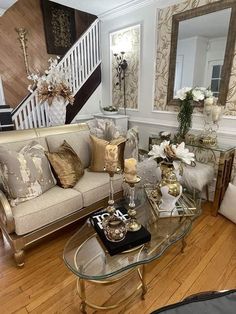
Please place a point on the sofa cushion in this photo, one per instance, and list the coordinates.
(52, 205)
(79, 141)
(67, 166)
(94, 186)
(26, 174)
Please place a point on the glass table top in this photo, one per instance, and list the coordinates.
(86, 257)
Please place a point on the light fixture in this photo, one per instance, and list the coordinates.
(121, 68)
(22, 32)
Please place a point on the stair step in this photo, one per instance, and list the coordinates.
(83, 94)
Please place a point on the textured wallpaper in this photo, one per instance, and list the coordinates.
(131, 37)
(163, 54)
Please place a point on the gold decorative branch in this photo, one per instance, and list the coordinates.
(22, 32)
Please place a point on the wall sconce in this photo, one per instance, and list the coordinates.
(22, 32)
(121, 68)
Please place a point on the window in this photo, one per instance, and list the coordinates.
(215, 79)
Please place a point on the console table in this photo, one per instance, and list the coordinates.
(220, 155)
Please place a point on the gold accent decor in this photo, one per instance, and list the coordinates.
(22, 32)
(132, 223)
(67, 165)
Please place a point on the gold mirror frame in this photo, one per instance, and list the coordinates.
(229, 50)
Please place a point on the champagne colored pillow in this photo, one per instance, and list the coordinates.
(98, 152)
(25, 174)
(67, 165)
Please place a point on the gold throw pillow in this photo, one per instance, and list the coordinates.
(98, 152)
(67, 165)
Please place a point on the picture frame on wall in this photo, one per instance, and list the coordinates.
(59, 27)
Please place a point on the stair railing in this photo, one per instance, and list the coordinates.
(81, 60)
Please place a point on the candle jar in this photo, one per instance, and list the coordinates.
(114, 228)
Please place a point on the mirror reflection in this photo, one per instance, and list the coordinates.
(201, 50)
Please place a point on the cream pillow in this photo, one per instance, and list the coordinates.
(228, 205)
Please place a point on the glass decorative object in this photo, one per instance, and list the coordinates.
(132, 224)
(114, 227)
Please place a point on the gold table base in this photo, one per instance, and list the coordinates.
(82, 291)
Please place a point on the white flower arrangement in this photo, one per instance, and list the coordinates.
(53, 83)
(172, 153)
(195, 94)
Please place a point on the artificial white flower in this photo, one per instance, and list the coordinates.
(183, 153)
(158, 151)
(197, 95)
(182, 93)
(209, 101)
(208, 93)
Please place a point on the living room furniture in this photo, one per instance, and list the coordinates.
(210, 302)
(120, 120)
(86, 257)
(220, 155)
(56, 208)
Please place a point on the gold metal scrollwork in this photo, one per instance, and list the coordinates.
(22, 32)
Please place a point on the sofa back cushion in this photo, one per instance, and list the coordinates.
(25, 174)
(79, 141)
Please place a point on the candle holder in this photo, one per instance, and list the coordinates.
(114, 227)
(132, 224)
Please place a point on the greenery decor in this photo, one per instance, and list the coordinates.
(187, 97)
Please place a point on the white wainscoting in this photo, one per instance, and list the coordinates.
(167, 121)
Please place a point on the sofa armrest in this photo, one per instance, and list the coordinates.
(6, 216)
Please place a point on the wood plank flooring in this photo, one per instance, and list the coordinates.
(45, 285)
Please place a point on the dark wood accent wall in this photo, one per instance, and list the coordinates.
(28, 14)
(83, 95)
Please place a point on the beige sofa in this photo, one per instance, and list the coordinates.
(56, 208)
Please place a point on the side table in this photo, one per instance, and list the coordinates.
(120, 121)
(222, 155)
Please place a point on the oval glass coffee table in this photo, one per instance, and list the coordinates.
(87, 258)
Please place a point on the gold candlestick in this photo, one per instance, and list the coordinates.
(132, 224)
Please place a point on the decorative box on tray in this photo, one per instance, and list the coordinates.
(131, 240)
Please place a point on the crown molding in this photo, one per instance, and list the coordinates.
(125, 8)
(2, 11)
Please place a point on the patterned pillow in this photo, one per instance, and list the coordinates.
(98, 152)
(67, 165)
(25, 174)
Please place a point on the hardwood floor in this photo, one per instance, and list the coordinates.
(45, 285)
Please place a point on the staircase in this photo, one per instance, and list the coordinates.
(83, 61)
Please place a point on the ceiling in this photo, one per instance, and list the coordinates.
(96, 7)
(211, 25)
(5, 4)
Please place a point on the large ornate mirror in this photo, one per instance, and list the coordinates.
(202, 49)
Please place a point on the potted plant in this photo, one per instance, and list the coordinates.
(109, 110)
(189, 96)
(53, 89)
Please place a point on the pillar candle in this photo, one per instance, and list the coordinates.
(130, 170)
(111, 158)
(216, 112)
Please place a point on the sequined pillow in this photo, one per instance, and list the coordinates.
(25, 174)
(67, 165)
(98, 152)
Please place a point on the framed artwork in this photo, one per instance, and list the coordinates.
(59, 27)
